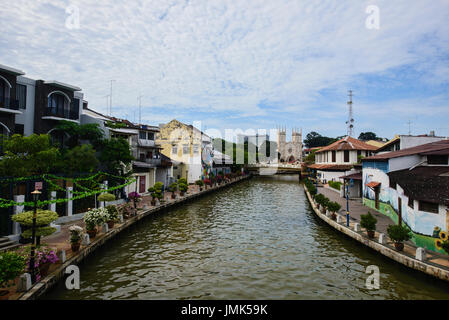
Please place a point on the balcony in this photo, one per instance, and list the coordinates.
(58, 114)
(146, 143)
(9, 105)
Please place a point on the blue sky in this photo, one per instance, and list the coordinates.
(244, 64)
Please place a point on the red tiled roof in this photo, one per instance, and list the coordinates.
(348, 143)
(355, 176)
(337, 167)
(373, 184)
(442, 147)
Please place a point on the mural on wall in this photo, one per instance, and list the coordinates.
(206, 162)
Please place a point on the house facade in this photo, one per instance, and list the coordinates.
(411, 186)
(332, 161)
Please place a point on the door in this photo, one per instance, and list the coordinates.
(142, 184)
(376, 192)
(399, 211)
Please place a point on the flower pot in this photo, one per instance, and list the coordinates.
(153, 202)
(92, 233)
(75, 246)
(370, 233)
(43, 269)
(110, 224)
(201, 189)
(182, 194)
(173, 196)
(399, 246)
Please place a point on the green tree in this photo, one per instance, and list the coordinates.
(365, 136)
(310, 159)
(115, 155)
(314, 139)
(79, 159)
(77, 132)
(27, 156)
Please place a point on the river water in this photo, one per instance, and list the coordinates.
(258, 239)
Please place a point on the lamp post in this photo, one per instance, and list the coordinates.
(347, 205)
(35, 194)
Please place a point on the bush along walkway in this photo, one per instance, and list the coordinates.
(431, 263)
(127, 216)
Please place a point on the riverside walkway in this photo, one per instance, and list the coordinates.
(60, 241)
(433, 263)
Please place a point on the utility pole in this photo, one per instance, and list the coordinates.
(107, 102)
(139, 98)
(350, 121)
(110, 97)
(409, 128)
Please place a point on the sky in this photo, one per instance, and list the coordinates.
(247, 64)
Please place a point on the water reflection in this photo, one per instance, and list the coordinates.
(256, 240)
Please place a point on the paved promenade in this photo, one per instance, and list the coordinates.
(356, 208)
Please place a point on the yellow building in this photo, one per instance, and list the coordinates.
(188, 147)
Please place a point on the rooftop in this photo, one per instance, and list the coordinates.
(438, 147)
(348, 143)
(427, 183)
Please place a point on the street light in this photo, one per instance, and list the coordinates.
(347, 204)
(35, 194)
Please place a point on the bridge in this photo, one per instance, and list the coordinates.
(274, 168)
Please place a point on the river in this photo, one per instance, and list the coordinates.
(258, 239)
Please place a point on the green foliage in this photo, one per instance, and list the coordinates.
(116, 153)
(113, 214)
(310, 157)
(156, 190)
(182, 181)
(199, 183)
(314, 139)
(368, 221)
(359, 158)
(319, 198)
(445, 246)
(43, 218)
(365, 136)
(398, 233)
(95, 217)
(173, 187)
(40, 232)
(106, 197)
(77, 132)
(158, 185)
(12, 265)
(27, 156)
(183, 187)
(333, 206)
(115, 125)
(335, 184)
(79, 159)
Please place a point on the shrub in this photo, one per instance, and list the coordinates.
(173, 187)
(199, 183)
(368, 221)
(333, 206)
(12, 265)
(95, 217)
(158, 185)
(40, 232)
(319, 198)
(75, 233)
(134, 196)
(106, 197)
(335, 184)
(112, 213)
(182, 181)
(182, 187)
(43, 218)
(398, 233)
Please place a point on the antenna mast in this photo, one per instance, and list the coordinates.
(140, 108)
(350, 122)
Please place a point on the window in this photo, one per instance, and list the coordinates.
(437, 159)
(150, 135)
(334, 156)
(149, 155)
(185, 149)
(58, 105)
(359, 153)
(346, 155)
(4, 93)
(392, 184)
(196, 148)
(142, 156)
(143, 135)
(19, 129)
(411, 203)
(428, 206)
(174, 149)
(21, 95)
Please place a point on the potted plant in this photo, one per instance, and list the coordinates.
(324, 204)
(200, 184)
(368, 221)
(12, 265)
(398, 234)
(182, 188)
(134, 197)
(75, 237)
(333, 207)
(319, 199)
(92, 219)
(106, 197)
(44, 258)
(43, 220)
(112, 216)
(172, 188)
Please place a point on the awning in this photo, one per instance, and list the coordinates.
(373, 184)
(354, 176)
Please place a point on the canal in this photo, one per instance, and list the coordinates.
(258, 239)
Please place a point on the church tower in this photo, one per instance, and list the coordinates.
(297, 143)
(281, 140)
